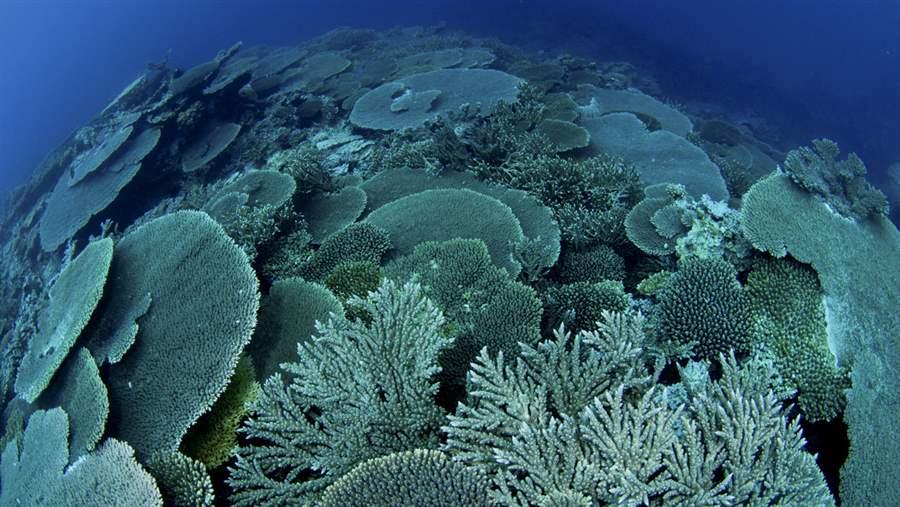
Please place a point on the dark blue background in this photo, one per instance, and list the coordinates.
(814, 68)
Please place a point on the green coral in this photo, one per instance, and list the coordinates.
(409, 479)
(212, 438)
(354, 279)
(484, 306)
(594, 264)
(288, 316)
(654, 283)
(580, 305)
(357, 391)
(358, 242)
(183, 482)
(704, 304)
(789, 316)
(350, 279)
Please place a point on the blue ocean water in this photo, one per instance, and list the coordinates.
(807, 68)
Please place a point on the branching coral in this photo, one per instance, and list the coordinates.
(357, 391)
(550, 435)
(589, 198)
(842, 184)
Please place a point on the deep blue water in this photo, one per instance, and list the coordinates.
(809, 68)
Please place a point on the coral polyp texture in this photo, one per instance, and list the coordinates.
(409, 479)
(205, 299)
(704, 304)
(72, 300)
(35, 472)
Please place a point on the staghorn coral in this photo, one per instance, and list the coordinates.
(484, 307)
(357, 391)
(573, 423)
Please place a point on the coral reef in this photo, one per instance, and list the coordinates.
(465, 274)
